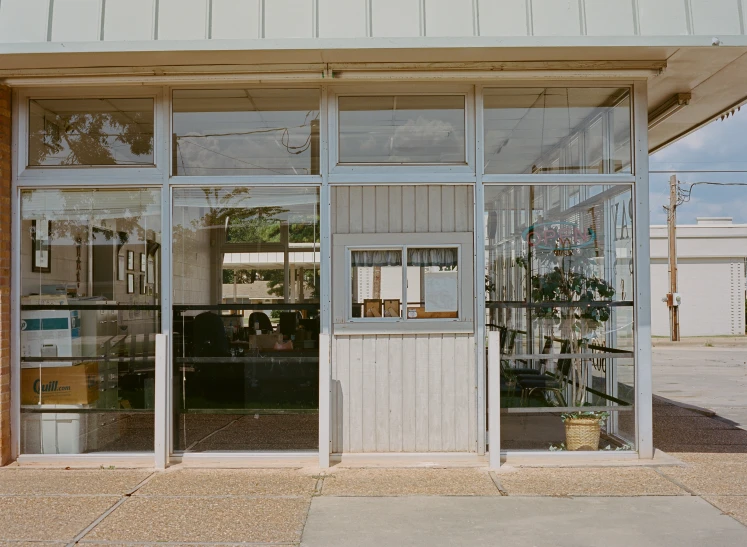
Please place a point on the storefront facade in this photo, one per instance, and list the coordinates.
(307, 251)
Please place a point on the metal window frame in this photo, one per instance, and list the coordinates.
(159, 176)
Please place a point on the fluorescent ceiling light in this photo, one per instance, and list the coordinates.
(668, 109)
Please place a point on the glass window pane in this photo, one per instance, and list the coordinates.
(90, 310)
(559, 289)
(246, 283)
(432, 283)
(246, 132)
(70, 132)
(376, 283)
(527, 130)
(396, 129)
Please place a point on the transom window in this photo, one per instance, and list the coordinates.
(90, 132)
(557, 130)
(402, 129)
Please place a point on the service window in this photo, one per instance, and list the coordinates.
(412, 281)
(427, 288)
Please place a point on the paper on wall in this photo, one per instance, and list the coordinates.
(441, 291)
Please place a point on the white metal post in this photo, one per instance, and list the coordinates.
(479, 273)
(642, 264)
(161, 404)
(166, 293)
(325, 265)
(494, 398)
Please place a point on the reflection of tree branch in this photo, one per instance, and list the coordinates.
(87, 136)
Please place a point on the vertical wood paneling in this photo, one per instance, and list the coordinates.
(129, 20)
(447, 209)
(405, 393)
(24, 20)
(449, 18)
(343, 396)
(288, 18)
(505, 18)
(342, 18)
(434, 209)
(182, 19)
(662, 17)
(395, 209)
(355, 397)
(336, 399)
(382, 394)
(382, 209)
(462, 388)
(235, 19)
(470, 211)
(356, 210)
(421, 209)
(462, 202)
(422, 410)
(406, 24)
(409, 385)
(341, 209)
(368, 399)
(368, 205)
(408, 209)
(396, 380)
(76, 21)
(556, 18)
(449, 382)
(435, 406)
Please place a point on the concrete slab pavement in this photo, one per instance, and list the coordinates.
(709, 373)
(518, 521)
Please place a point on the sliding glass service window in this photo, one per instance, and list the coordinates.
(93, 132)
(231, 132)
(557, 130)
(246, 282)
(90, 309)
(559, 289)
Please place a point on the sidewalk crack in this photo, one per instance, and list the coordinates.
(109, 511)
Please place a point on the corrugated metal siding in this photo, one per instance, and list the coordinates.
(82, 20)
(410, 393)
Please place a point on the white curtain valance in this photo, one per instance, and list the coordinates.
(433, 257)
(367, 259)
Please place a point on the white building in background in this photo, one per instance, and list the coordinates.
(711, 258)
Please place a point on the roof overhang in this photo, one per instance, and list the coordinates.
(671, 65)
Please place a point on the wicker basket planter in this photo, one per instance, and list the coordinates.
(582, 433)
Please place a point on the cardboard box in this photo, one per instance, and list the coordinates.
(68, 385)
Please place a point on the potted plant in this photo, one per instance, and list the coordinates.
(583, 429)
(572, 298)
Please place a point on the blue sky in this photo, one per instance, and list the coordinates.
(721, 145)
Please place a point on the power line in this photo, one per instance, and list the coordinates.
(684, 194)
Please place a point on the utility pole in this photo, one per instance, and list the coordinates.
(673, 297)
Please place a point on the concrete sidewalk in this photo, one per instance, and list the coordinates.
(701, 502)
